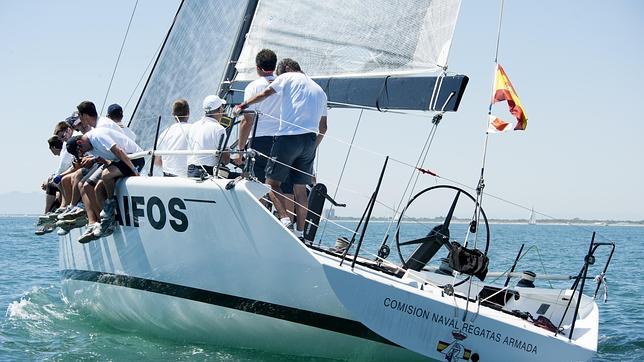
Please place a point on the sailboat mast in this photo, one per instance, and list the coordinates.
(231, 71)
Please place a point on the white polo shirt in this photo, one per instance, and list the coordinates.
(303, 103)
(103, 138)
(108, 123)
(66, 160)
(205, 134)
(268, 122)
(175, 138)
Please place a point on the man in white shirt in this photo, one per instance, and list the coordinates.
(207, 134)
(303, 123)
(89, 118)
(115, 113)
(175, 138)
(268, 119)
(91, 170)
(113, 147)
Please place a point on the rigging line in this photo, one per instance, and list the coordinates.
(154, 56)
(326, 136)
(498, 34)
(424, 151)
(174, 20)
(127, 31)
(346, 159)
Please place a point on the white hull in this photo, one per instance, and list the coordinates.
(196, 268)
(432, 323)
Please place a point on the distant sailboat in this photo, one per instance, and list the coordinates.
(533, 218)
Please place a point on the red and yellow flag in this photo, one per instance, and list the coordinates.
(504, 91)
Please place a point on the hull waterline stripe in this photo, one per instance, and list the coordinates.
(295, 315)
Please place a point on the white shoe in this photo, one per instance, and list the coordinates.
(62, 232)
(88, 235)
(286, 221)
(72, 214)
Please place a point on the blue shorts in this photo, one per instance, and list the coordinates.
(297, 151)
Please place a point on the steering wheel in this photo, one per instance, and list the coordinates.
(416, 253)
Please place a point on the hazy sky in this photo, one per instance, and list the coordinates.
(576, 66)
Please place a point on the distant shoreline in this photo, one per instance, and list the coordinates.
(576, 222)
(572, 222)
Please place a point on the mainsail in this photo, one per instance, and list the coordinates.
(362, 53)
(379, 54)
(336, 38)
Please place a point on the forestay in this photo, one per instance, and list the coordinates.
(339, 38)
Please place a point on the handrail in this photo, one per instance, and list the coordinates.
(589, 260)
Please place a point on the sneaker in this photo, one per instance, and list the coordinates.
(298, 234)
(44, 229)
(108, 208)
(105, 229)
(45, 218)
(88, 235)
(286, 221)
(72, 224)
(73, 213)
(62, 232)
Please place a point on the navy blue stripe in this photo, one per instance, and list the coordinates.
(205, 201)
(300, 316)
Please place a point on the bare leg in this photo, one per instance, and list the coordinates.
(110, 175)
(76, 177)
(100, 194)
(289, 205)
(301, 205)
(89, 199)
(49, 201)
(66, 189)
(276, 198)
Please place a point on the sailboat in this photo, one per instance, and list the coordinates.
(204, 260)
(533, 218)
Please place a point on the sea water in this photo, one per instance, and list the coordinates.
(39, 325)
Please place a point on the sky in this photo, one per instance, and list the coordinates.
(575, 66)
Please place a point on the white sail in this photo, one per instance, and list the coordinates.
(345, 37)
(191, 64)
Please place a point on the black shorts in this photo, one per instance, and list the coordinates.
(126, 170)
(262, 144)
(297, 151)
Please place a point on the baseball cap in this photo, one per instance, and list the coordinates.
(114, 110)
(72, 146)
(73, 120)
(212, 102)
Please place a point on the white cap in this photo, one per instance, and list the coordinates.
(212, 102)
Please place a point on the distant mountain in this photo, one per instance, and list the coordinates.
(21, 203)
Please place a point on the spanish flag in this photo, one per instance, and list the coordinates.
(504, 91)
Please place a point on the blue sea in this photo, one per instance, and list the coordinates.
(39, 325)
